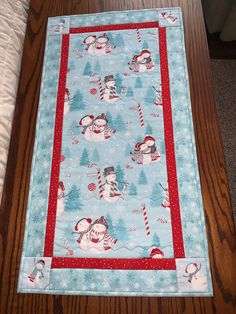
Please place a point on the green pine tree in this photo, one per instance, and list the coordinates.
(119, 123)
(97, 67)
(123, 234)
(84, 160)
(156, 240)
(77, 102)
(156, 196)
(87, 69)
(120, 175)
(148, 129)
(132, 189)
(150, 95)
(95, 156)
(72, 201)
(130, 92)
(111, 227)
(142, 178)
(118, 80)
(138, 83)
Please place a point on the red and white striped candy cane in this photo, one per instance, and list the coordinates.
(100, 88)
(138, 34)
(140, 115)
(146, 220)
(99, 183)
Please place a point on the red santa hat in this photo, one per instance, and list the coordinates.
(82, 119)
(89, 221)
(145, 51)
(156, 251)
(194, 264)
(41, 261)
(138, 145)
(101, 221)
(61, 186)
(135, 58)
(93, 38)
(149, 138)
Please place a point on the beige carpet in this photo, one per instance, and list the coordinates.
(224, 77)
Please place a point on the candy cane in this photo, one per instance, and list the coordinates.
(146, 220)
(138, 34)
(140, 115)
(99, 183)
(100, 89)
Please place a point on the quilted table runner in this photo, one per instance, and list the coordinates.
(115, 203)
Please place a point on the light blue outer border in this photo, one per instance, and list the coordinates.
(39, 188)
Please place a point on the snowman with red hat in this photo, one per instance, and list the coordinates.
(100, 239)
(98, 45)
(151, 154)
(66, 101)
(142, 62)
(195, 277)
(146, 56)
(156, 253)
(82, 227)
(60, 198)
(96, 129)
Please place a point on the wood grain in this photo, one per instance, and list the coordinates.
(218, 212)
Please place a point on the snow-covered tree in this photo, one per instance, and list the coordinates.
(150, 95)
(156, 196)
(120, 175)
(121, 229)
(148, 129)
(111, 39)
(111, 227)
(87, 69)
(156, 240)
(77, 102)
(95, 156)
(74, 127)
(130, 92)
(110, 119)
(138, 83)
(118, 80)
(119, 123)
(132, 189)
(72, 200)
(142, 178)
(84, 160)
(97, 67)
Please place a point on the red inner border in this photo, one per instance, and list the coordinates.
(114, 263)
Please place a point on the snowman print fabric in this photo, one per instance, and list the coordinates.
(115, 204)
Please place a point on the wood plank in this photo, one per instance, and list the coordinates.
(218, 212)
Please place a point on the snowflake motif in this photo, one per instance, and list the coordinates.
(93, 285)
(37, 242)
(64, 283)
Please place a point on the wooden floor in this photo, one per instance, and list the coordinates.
(218, 212)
